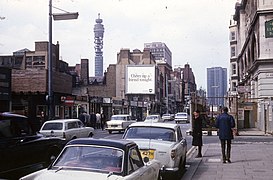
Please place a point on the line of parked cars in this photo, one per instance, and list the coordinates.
(148, 150)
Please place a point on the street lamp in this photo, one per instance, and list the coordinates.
(59, 16)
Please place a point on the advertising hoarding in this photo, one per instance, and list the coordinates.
(140, 79)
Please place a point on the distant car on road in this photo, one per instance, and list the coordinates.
(167, 117)
(22, 150)
(119, 123)
(182, 117)
(89, 158)
(66, 128)
(153, 118)
(160, 141)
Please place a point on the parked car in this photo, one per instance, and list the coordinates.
(153, 118)
(22, 150)
(66, 128)
(167, 117)
(181, 117)
(88, 158)
(163, 142)
(119, 123)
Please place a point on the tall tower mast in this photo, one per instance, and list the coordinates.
(98, 31)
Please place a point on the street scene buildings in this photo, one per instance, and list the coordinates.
(159, 87)
(149, 95)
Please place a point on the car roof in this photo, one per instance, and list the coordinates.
(61, 120)
(120, 115)
(153, 115)
(10, 114)
(120, 143)
(145, 124)
(181, 113)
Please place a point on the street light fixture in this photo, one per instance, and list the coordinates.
(58, 16)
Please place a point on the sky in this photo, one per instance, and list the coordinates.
(196, 32)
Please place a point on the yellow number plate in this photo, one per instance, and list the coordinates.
(148, 153)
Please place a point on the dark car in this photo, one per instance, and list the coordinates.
(21, 149)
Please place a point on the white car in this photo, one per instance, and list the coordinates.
(167, 117)
(160, 141)
(119, 123)
(88, 158)
(66, 128)
(182, 117)
(153, 118)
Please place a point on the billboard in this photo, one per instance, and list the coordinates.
(140, 79)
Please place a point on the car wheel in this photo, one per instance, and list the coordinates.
(181, 169)
(110, 132)
(90, 134)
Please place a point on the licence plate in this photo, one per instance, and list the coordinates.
(148, 153)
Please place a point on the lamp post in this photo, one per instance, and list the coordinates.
(59, 16)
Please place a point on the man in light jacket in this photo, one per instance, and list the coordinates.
(225, 123)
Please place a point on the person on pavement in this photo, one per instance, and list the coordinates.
(225, 123)
(197, 132)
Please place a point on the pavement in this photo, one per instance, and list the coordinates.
(251, 158)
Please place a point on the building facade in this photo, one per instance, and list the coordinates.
(216, 86)
(29, 82)
(160, 51)
(251, 78)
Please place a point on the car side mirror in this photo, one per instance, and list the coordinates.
(146, 159)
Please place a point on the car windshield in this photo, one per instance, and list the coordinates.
(97, 158)
(53, 126)
(118, 118)
(158, 133)
(166, 115)
(151, 117)
(182, 114)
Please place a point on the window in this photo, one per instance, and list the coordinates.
(233, 69)
(72, 125)
(232, 51)
(232, 36)
(233, 88)
(179, 134)
(135, 161)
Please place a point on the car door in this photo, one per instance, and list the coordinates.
(137, 169)
(72, 130)
(82, 130)
(182, 143)
(126, 122)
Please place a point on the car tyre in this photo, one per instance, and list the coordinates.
(110, 132)
(181, 168)
(90, 134)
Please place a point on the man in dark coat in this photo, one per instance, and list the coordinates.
(225, 123)
(197, 132)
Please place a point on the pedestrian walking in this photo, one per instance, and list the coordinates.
(93, 120)
(225, 123)
(197, 132)
(98, 117)
(103, 120)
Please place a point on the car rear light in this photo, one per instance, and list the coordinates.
(173, 153)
